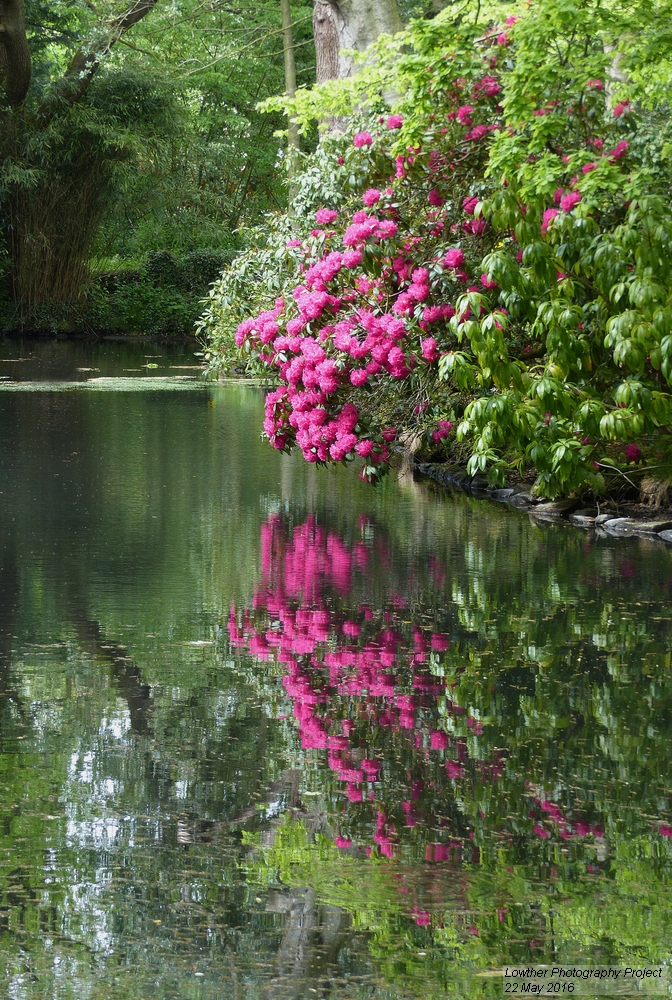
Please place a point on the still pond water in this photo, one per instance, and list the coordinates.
(266, 731)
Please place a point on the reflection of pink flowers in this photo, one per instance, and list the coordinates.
(345, 670)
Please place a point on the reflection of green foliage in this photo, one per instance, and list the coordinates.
(613, 918)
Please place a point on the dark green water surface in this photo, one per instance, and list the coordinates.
(266, 731)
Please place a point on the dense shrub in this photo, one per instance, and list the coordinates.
(504, 284)
(161, 297)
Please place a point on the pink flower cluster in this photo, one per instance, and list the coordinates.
(444, 428)
(344, 327)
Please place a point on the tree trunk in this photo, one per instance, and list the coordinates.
(358, 23)
(326, 41)
(290, 69)
(14, 51)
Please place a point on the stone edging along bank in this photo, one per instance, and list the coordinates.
(607, 516)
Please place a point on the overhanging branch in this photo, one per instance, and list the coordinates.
(85, 62)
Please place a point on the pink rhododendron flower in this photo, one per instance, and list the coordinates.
(395, 121)
(546, 219)
(434, 198)
(443, 430)
(619, 150)
(568, 201)
(454, 258)
(352, 258)
(477, 133)
(595, 84)
(359, 377)
(342, 842)
(463, 114)
(469, 205)
(371, 196)
(489, 85)
(474, 227)
(588, 167)
(386, 229)
(632, 453)
(362, 139)
(430, 350)
(487, 282)
(325, 215)
(621, 109)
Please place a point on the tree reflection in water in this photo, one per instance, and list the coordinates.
(504, 793)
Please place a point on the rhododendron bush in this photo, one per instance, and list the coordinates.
(490, 278)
